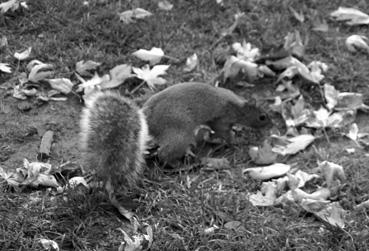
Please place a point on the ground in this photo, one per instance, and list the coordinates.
(181, 206)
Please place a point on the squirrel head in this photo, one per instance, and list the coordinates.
(255, 116)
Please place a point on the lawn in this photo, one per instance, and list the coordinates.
(196, 208)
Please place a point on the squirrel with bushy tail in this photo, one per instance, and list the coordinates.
(115, 132)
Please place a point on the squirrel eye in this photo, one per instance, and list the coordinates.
(262, 117)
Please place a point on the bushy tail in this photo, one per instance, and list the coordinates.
(113, 138)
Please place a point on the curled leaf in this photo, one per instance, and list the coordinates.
(39, 71)
(153, 56)
(233, 66)
(191, 63)
(49, 244)
(63, 85)
(23, 55)
(5, 68)
(117, 76)
(165, 5)
(295, 144)
(356, 43)
(350, 15)
(267, 172)
(262, 155)
(266, 196)
(130, 16)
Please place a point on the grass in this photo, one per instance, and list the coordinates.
(182, 207)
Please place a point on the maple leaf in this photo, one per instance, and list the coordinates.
(151, 76)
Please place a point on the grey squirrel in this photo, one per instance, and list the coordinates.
(115, 132)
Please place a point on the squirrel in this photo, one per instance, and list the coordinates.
(115, 132)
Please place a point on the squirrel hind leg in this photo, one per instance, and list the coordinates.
(114, 201)
(174, 144)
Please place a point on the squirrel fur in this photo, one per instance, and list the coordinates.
(174, 114)
(115, 132)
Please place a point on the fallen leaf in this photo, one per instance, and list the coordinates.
(233, 66)
(294, 66)
(117, 76)
(356, 43)
(353, 132)
(323, 118)
(331, 172)
(5, 68)
(331, 96)
(83, 67)
(191, 63)
(350, 101)
(38, 173)
(49, 244)
(246, 51)
(262, 155)
(13, 179)
(153, 56)
(210, 230)
(62, 85)
(266, 196)
(151, 76)
(165, 5)
(295, 145)
(303, 177)
(92, 84)
(23, 55)
(320, 194)
(350, 15)
(138, 241)
(332, 213)
(39, 71)
(76, 181)
(311, 205)
(11, 5)
(130, 16)
(267, 172)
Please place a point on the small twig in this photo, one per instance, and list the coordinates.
(138, 87)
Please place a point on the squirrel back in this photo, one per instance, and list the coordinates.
(114, 134)
(174, 113)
